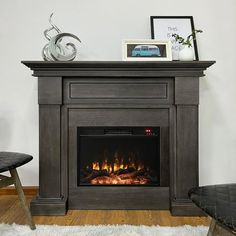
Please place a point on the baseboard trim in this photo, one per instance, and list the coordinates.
(185, 208)
(28, 190)
(48, 206)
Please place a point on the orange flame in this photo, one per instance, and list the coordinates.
(96, 165)
(131, 171)
(118, 164)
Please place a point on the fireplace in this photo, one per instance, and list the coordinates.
(118, 156)
(117, 135)
(133, 146)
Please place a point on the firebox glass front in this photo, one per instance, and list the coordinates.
(119, 156)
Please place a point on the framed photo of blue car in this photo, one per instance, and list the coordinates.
(147, 50)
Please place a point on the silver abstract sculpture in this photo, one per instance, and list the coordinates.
(56, 50)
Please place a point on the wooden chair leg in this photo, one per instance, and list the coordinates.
(21, 195)
(211, 228)
(216, 230)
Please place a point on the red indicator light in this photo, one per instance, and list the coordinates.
(148, 131)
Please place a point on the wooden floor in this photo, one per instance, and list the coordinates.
(11, 212)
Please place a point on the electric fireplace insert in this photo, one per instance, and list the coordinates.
(109, 156)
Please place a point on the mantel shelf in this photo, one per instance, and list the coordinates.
(126, 68)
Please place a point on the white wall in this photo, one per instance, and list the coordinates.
(101, 25)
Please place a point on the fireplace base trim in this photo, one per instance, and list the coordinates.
(48, 206)
(185, 209)
(113, 198)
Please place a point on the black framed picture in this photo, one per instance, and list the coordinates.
(162, 28)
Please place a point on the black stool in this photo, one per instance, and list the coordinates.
(9, 161)
(219, 202)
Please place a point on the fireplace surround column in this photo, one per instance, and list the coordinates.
(77, 94)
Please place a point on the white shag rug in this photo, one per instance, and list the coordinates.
(102, 230)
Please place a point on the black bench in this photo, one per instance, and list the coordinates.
(219, 202)
(9, 161)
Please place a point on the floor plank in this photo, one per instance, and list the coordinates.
(11, 212)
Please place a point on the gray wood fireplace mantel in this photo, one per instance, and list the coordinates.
(114, 93)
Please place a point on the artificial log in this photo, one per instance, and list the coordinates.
(103, 177)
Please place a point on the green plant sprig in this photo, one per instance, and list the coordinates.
(188, 40)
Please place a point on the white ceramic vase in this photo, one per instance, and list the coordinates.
(186, 54)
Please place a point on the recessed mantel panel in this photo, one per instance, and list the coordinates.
(119, 90)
